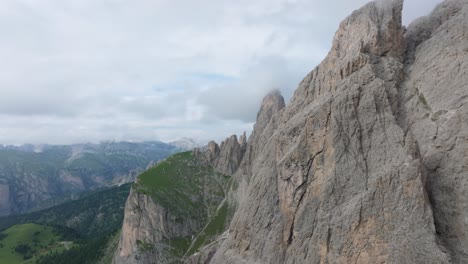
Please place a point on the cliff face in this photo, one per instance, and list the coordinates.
(368, 163)
(434, 96)
(147, 225)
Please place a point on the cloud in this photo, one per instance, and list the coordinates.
(240, 99)
(79, 71)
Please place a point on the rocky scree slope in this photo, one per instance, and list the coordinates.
(368, 163)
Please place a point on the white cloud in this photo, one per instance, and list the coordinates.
(85, 70)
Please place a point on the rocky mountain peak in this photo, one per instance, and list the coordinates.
(207, 155)
(213, 148)
(272, 103)
(224, 158)
(374, 29)
(243, 139)
(369, 35)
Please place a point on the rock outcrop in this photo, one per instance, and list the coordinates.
(271, 104)
(146, 225)
(225, 158)
(228, 157)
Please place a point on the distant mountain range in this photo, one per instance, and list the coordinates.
(34, 177)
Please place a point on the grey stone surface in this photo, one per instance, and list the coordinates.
(338, 176)
(225, 158)
(207, 155)
(148, 223)
(435, 96)
(230, 156)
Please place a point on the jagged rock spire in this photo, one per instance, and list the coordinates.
(243, 139)
(272, 103)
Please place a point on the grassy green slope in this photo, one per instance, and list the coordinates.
(215, 226)
(91, 251)
(189, 191)
(183, 187)
(22, 243)
(108, 253)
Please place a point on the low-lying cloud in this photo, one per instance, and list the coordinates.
(86, 71)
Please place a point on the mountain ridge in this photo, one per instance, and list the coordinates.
(33, 178)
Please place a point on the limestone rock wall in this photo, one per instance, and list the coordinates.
(360, 167)
(146, 224)
(435, 96)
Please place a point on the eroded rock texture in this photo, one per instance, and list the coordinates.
(434, 97)
(225, 158)
(146, 225)
(368, 162)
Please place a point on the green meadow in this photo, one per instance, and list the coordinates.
(24, 243)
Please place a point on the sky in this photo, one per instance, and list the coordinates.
(75, 71)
